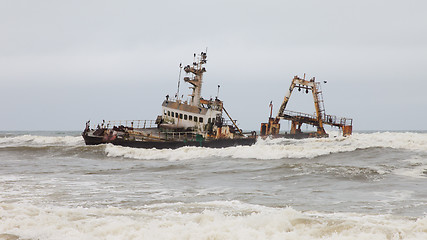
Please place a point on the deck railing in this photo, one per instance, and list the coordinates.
(326, 119)
(334, 120)
(299, 114)
(128, 123)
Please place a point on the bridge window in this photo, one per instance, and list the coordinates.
(195, 118)
(201, 119)
(185, 116)
(180, 116)
(169, 113)
(190, 117)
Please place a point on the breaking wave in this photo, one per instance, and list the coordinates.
(284, 148)
(40, 141)
(210, 220)
(416, 168)
(263, 149)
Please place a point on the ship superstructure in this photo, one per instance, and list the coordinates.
(196, 114)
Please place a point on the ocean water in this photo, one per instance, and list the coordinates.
(370, 185)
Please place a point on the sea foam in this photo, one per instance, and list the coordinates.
(36, 141)
(284, 148)
(215, 220)
(416, 168)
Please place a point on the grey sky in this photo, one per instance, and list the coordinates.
(64, 62)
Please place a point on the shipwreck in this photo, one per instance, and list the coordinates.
(194, 122)
(297, 119)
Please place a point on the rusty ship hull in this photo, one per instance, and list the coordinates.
(172, 144)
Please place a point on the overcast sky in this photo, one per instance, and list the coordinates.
(65, 62)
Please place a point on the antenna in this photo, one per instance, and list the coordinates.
(217, 93)
(179, 80)
(271, 108)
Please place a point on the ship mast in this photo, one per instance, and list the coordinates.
(197, 78)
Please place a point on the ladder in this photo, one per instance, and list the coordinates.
(319, 100)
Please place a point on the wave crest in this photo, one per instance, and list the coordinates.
(215, 220)
(283, 148)
(38, 141)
